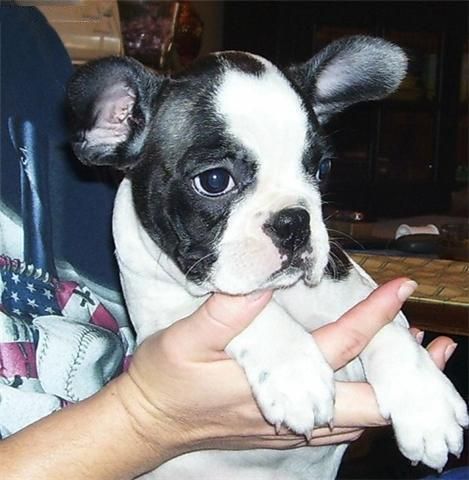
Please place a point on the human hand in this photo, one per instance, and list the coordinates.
(344, 339)
(183, 393)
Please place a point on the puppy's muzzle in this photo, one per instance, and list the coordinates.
(289, 229)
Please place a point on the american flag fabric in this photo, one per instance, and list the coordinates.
(57, 341)
(27, 293)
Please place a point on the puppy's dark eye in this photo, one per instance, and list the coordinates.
(214, 182)
(323, 169)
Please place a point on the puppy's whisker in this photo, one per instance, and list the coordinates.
(332, 264)
(334, 260)
(346, 235)
(329, 217)
(214, 241)
(187, 272)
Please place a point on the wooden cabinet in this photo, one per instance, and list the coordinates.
(403, 155)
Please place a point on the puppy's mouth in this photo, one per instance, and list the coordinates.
(292, 270)
(285, 277)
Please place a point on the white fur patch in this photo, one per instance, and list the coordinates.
(267, 116)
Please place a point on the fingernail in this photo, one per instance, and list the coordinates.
(419, 337)
(406, 290)
(450, 350)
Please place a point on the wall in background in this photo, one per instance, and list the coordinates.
(211, 13)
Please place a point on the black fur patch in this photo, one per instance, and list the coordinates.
(185, 139)
(245, 63)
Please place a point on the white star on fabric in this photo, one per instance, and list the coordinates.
(32, 302)
(15, 277)
(17, 311)
(30, 287)
(47, 294)
(49, 310)
(14, 296)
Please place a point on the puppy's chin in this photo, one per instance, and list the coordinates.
(245, 283)
(258, 269)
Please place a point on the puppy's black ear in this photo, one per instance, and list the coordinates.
(348, 71)
(109, 103)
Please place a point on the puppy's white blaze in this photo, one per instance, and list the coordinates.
(266, 115)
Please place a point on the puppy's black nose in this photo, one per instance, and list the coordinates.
(290, 228)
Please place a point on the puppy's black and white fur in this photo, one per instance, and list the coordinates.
(224, 167)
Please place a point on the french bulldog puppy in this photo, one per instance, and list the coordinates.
(224, 166)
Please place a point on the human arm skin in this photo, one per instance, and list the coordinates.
(176, 398)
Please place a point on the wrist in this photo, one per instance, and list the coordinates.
(151, 431)
(101, 437)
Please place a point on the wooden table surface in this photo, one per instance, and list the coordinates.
(441, 301)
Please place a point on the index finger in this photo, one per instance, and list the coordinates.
(342, 341)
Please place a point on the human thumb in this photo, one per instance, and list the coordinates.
(217, 321)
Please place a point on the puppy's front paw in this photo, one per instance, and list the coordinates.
(294, 388)
(428, 416)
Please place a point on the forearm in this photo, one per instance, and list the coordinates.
(104, 437)
(94, 439)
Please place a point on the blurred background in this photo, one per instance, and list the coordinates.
(405, 156)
